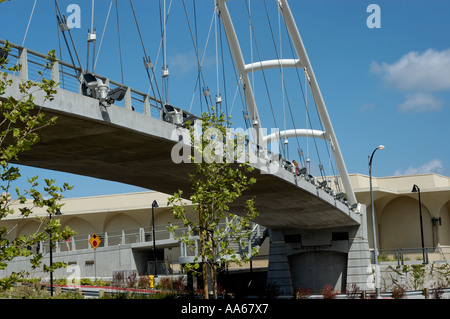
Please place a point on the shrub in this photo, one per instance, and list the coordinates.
(328, 292)
(438, 291)
(301, 293)
(399, 291)
(353, 291)
(143, 282)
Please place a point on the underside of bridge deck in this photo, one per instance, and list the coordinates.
(120, 145)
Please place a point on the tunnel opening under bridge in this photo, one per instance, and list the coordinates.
(315, 270)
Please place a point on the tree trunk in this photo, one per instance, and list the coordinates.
(202, 248)
(214, 280)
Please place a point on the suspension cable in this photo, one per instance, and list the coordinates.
(60, 50)
(162, 35)
(285, 93)
(120, 44)
(29, 22)
(309, 118)
(103, 34)
(62, 19)
(196, 51)
(223, 67)
(263, 73)
(146, 57)
(203, 58)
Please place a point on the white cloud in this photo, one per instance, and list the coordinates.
(420, 103)
(183, 63)
(417, 75)
(426, 72)
(433, 166)
(186, 63)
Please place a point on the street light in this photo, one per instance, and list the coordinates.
(375, 255)
(154, 204)
(416, 189)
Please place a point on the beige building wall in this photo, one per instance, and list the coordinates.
(397, 215)
(99, 214)
(396, 207)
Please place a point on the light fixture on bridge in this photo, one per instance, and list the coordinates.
(172, 114)
(96, 89)
(322, 184)
(340, 196)
(63, 26)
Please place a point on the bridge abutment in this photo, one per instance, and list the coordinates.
(314, 258)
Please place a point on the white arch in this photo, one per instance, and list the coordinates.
(272, 64)
(293, 133)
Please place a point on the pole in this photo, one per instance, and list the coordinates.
(51, 269)
(238, 58)
(375, 250)
(421, 226)
(318, 98)
(154, 204)
(51, 264)
(95, 266)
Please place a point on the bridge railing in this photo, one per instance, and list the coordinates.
(70, 78)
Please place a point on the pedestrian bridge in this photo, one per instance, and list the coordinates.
(132, 144)
(316, 236)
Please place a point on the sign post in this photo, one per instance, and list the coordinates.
(95, 242)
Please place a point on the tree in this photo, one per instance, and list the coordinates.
(20, 122)
(218, 181)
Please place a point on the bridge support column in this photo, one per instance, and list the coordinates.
(359, 264)
(278, 276)
(314, 258)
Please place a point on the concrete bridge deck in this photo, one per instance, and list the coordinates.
(117, 144)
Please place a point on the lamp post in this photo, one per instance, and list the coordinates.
(416, 189)
(375, 255)
(51, 257)
(154, 204)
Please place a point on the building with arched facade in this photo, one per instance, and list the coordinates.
(124, 224)
(397, 211)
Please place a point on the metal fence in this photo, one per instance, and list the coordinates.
(70, 78)
(412, 255)
(130, 236)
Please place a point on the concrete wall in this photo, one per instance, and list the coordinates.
(313, 259)
(83, 263)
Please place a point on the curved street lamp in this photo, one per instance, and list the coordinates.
(416, 189)
(375, 255)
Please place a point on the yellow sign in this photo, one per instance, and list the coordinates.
(95, 241)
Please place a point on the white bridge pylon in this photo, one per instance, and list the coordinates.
(302, 62)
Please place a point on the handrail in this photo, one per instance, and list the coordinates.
(56, 72)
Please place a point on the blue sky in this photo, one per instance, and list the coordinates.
(388, 85)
